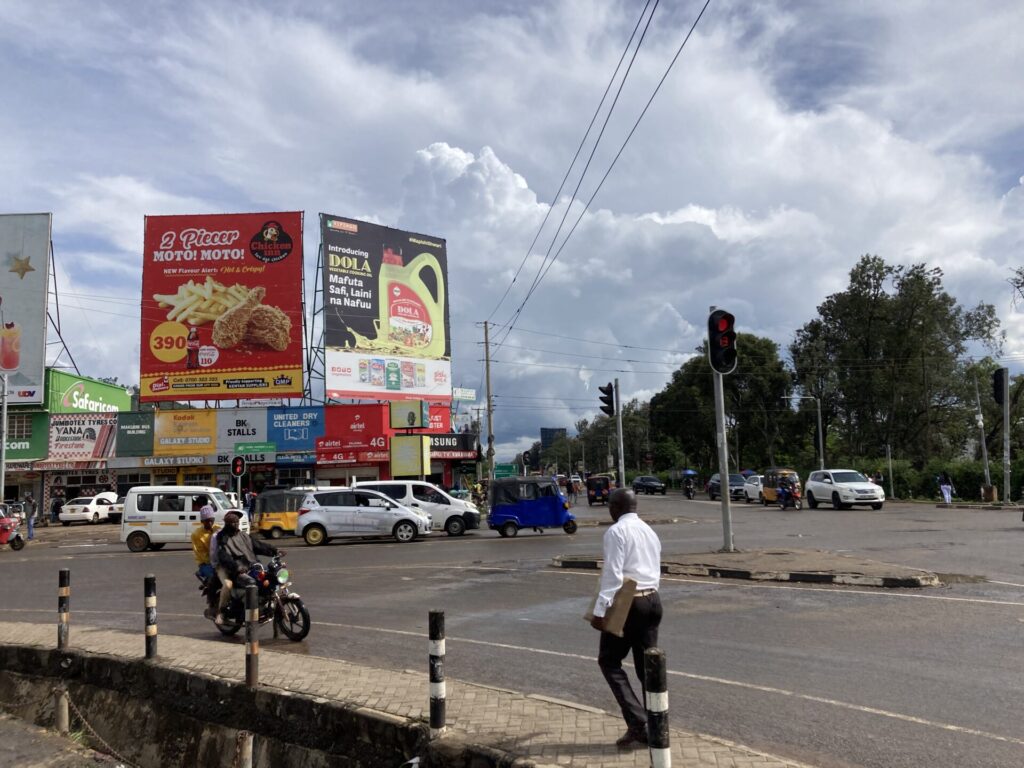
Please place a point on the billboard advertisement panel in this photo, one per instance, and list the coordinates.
(82, 436)
(386, 331)
(184, 433)
(240, 425)
(295, 429)
(221, 306)
(66, 393)
(27, 436)
(24, 274)
(134, 434)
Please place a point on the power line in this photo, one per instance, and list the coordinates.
(610, 167)
(568, 170)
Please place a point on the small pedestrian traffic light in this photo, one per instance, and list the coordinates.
(526, 458)
(999, 384)
(238, 466)
(608, 398)
(722, 341)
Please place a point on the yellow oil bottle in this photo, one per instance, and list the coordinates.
(411, 319)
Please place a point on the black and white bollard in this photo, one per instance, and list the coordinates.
(252, 644)
(437, 688)
(150, 592)
(63, 608)
(656, 695)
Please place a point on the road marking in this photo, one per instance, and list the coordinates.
(717, 680)
(883, 593)
(1005, 583)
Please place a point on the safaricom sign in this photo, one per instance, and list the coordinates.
(77, 399)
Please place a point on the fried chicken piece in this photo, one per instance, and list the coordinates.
(229, 328)
(269, 326)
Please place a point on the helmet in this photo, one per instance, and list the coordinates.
(206, 513)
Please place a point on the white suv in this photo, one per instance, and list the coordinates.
(843, 488)
(336, 512)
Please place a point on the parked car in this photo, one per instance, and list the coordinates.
(844, 488)
(349, 512)
(116, 510)
(648, 484)
(735, 486)
(87, 509)
(752, 489)
(454, 516)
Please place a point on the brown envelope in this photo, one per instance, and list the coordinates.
(615, 616)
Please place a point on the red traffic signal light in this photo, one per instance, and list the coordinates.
(608, 398)
(238, 466)
(722, 341)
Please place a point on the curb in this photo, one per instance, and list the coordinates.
(986, 507)
(806, 577)
(649, 521)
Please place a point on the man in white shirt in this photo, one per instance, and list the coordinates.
(631, 550)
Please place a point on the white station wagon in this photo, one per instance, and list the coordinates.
(87, 509)
(843, 488)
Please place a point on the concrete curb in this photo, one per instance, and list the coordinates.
(986, 507)
(649, 521)
(807, 577)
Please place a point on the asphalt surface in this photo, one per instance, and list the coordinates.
(832, 676)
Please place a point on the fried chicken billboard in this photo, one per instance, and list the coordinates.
(222, 306)
(386, 333)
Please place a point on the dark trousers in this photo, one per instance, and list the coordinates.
(639, 633)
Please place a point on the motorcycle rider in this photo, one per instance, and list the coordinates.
(201, 538)
(236, 551)
(785, 491)
(688, 487)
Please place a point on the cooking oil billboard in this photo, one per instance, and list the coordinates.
(386, 332)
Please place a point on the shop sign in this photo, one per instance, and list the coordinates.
(35, 445)
(354, 428)
(286, 459)
(295, 429)
(25, 245)
(440, 419)
(134, 434)
(66, 393)
(464, 394)
(259, 457)
(22, 466)
(410, 455)
(85, 436)
(173, 461)
(255, 448)
(456, 445)
(351, 457)
(184, 433)
(238, 425)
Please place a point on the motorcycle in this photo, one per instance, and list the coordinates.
(789, 497)
(689, 491)
(276, 603)
(9, 533)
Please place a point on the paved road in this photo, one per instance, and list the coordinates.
(835, 677)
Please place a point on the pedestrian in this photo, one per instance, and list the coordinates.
(946, 486)
(631, 547)
(250, 510)
(878, 478)
(30, 516)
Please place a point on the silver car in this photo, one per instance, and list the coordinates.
(752, 489)
(331, 513)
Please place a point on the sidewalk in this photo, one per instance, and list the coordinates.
(802, 565)
(541, 730)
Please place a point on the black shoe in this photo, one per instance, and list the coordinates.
(632, 740)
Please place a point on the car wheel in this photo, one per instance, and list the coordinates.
(95, 517)
(404, 532)
(836, 504)
(569, 527)
(509, 529)
(760, 497)
(876, 506)
(455, 526)
(315, 535)
(137, 541)
(65, 523)
(276, 533)
(811, 501)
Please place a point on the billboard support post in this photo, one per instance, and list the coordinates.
(3, 434)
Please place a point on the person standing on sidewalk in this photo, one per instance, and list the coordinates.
(946, 486)
(631, 550)
(30, 515)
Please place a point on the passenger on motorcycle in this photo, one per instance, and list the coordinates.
(688, 487)
(236, 551)
(201, 550)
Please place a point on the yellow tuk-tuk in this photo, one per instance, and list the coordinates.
(277, 512)
(770, 484)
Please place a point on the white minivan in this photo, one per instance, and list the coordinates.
(155, 515)
(449, 514)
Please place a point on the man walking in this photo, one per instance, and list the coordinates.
(632, 550)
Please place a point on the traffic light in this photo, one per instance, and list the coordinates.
(238, 466)
(608, 398)
(526, 458)
(999, 384)
(722, 341)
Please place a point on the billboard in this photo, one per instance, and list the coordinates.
(82, 436)
(134, 434)
(221, 306)
(234, 426)
(184, 433)
(66, 393)
(386, 331)
(29, 438)
(24, 274)
(295, 429)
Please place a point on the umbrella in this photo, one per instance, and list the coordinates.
(748, 472)
(689, 472)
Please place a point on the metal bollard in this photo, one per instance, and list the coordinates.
(150, 592)
(656, 695)
(437, 687)
(252, 645)
(61, 716)
(63, 608)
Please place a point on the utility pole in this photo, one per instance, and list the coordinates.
(490, 403)
(981, 428)
(1006, 436)
(618, 425)
(479, 464)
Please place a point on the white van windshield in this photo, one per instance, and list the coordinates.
(222, 500)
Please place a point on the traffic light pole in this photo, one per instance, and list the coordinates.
(490, 403)
(981, 429)
(618, 426)
(723, 463)
(1006, 437)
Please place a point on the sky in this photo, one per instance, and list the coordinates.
(788, 139)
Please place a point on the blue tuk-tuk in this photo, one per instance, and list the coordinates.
(528, 502)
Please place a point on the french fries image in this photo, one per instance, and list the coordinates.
(201, 303)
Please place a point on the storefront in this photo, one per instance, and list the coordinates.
(448, 456)
(27, 440)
